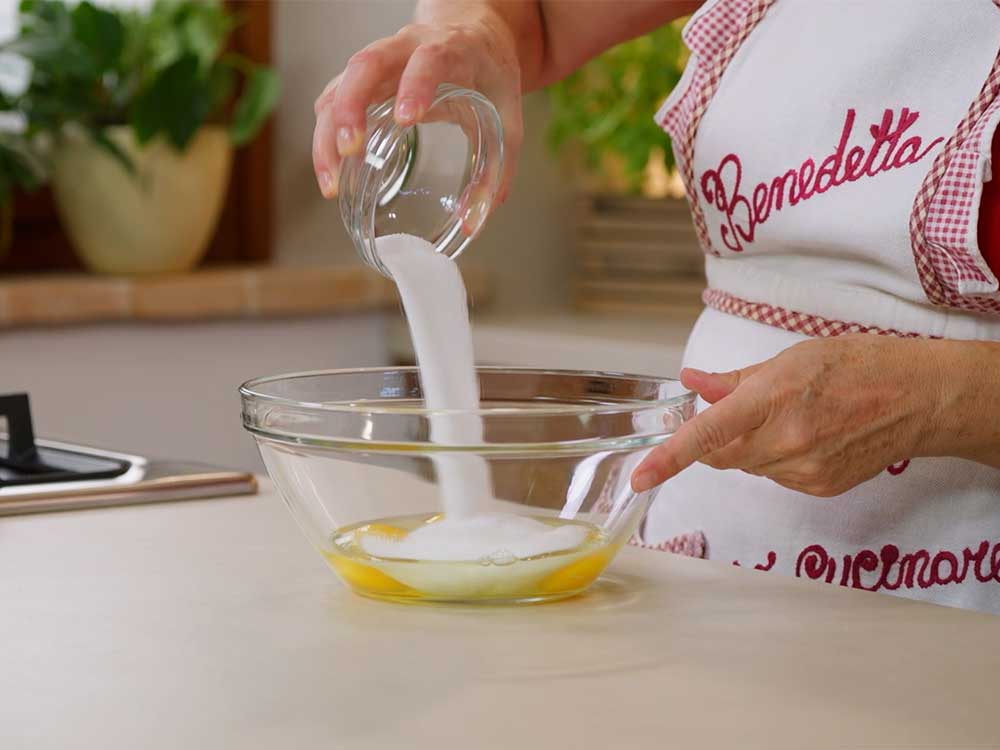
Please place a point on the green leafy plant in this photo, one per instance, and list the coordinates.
(20, 166)
(20, 169)
(164, 72)
(604, 111)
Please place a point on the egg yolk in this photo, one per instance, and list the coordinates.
(382, 529)
(578, 574)
(365, 577)
(368, 578)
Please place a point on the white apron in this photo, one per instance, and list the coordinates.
(834, 154)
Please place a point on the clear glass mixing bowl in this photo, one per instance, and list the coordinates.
(350, 451)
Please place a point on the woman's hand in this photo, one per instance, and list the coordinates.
(498, 47)
(827, 414)
(473, 47)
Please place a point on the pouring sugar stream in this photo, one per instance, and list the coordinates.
(474, 549)
(470, 530)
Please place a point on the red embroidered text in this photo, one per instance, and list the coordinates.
(745, 211)
(889, 569)
(772, 558)
(897, 469)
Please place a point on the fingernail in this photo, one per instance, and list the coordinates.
(326, 185)
(348, 140)
(643, 480)
(406, 111)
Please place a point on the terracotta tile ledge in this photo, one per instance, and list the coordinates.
(243, 292)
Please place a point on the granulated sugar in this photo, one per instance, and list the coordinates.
(497, 538)
(433, 295)
(434, 299)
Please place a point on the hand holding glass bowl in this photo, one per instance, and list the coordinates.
(352, 453)
(467, 46)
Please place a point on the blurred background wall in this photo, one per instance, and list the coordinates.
(170, 390)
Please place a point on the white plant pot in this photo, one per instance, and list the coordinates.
(159, 219)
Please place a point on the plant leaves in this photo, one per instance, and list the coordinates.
(604, 110)
(180, 27)
(46, 29)
(221, 84)
(101, 33)
(260, 95)
(20, 166)
(34, 47)
(100, 137)
(175, 105)
(163, 70)
(206, 27)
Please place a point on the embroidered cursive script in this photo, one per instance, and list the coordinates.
(890, 569)
(743, 211)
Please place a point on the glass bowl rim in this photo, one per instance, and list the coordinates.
(248, 393)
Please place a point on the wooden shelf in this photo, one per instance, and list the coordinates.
(237, 292)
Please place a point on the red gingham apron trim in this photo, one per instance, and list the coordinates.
(710, 31)
(943, 215)
(689, 545)
(792, 320)
(714, 37)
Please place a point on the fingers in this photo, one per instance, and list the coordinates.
(410, 66)
(326, 97)
(711, 430)
(745, 452)
(341, 109)
(513, 137)
(714, 386)
(366, 73)
(430, 65)
(750, 452)
(326, 161)
(325, 164)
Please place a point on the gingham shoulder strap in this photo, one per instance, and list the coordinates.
(714, 35)
(943, 222)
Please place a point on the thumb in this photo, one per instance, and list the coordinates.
(709, 431)
(715, 386)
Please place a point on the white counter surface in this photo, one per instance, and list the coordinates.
(212, 624)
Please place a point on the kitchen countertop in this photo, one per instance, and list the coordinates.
(648, 344)
(213, 624)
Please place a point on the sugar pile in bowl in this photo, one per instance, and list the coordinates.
(470, 529)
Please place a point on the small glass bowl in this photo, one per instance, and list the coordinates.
(437, 179)
(351, 454)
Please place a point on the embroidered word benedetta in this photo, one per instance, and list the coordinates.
(723, 186)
